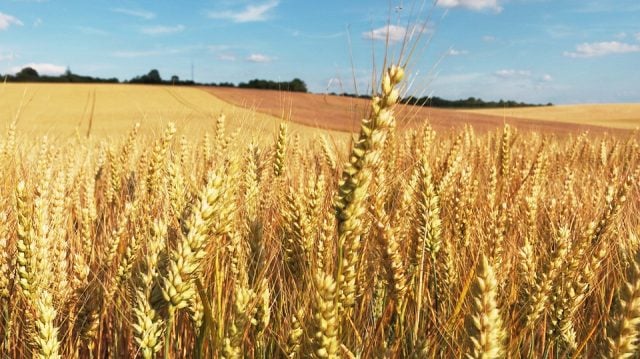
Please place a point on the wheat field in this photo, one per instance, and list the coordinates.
(396, 244)
(625, 116)
(103, 110)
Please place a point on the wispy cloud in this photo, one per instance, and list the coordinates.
(601, 6)
(42, 68)
(260, 58)
(251, 13)
(143, 14)
(512, 74)
(597, 49)
(37, 22)
(297, 33)
(620, 35)
(488, 38)
(7, 56)
(394, 33)
(226, 57)
(7, 20)
(220, 47)
(454, 52)
(547, 78)
(88, 30)
(637, 36)
(476, 5)
(146, 53)
(223, 52)
(162, 30)
(560, 31)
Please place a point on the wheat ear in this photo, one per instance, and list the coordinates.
(486, 330)
(623, 332)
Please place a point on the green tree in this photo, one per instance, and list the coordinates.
(28, 72)
(297, 85)
(153, 77)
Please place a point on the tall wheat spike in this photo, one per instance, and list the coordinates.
(487, 332)
(622, 341)
(354, 183)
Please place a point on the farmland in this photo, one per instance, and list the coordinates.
(172, 187)
(345, 113)
(625, 116)
(266, 238)
(62, 110)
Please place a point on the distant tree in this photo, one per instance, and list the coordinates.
(175, 79)
(68, 75)
(297, 85)
(154, 77)
(27, 72)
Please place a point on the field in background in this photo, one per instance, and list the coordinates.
(64, 109)
(345, 113)
(423, 243)
(625, 116)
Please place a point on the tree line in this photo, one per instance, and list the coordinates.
(434, 101)
(295, 85)
(470, 102)
(153, 77)
(29, 74)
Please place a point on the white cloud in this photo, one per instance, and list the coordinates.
(547, 78)
(602, 6)
(393, 32)
(298, 33)
(512, 74)
(488, 38)
(476, 5)
(42, 68)
(144, 14)
(223, 52)
(8, 20)
(259, 58)
(7, 56)
(226, 57)
(454, 52)
(146, 53)
(162, 30)
(620, 35)
(251, 13)
(561, 31)
(134, 54)
(596, 49)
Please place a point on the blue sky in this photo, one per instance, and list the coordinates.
(560, 51)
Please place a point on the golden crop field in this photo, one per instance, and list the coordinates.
(62, 110)
(398, 244)
(625, 116)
